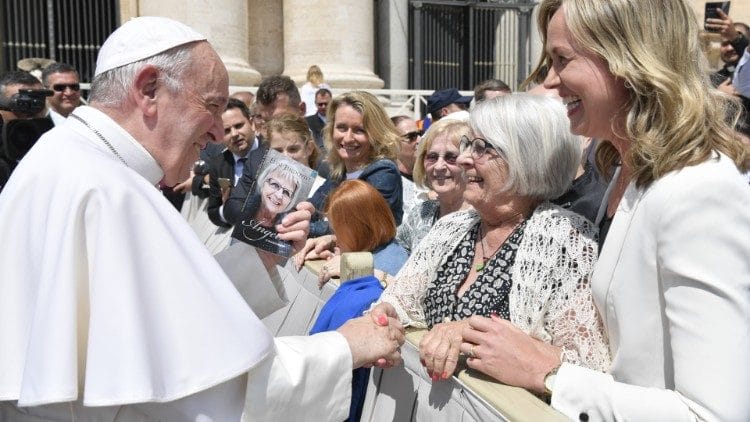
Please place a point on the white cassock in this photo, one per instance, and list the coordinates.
(112, 309)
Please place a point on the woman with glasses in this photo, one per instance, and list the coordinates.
(278, 192)
(514, 256)
(437, 169)
(362, 144)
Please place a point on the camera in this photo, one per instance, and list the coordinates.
(19, 135)
(26, 101)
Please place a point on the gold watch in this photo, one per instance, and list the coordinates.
(549, 380)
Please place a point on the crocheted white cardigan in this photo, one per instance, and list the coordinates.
(551, 296)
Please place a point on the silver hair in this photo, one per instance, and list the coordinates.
(286, 172)
(532, 133)
(111, 87)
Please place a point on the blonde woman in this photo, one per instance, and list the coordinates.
(362, 144)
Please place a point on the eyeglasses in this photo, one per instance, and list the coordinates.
(478, 147)
(276, 187)
(62, 87)
(412, 136)
(321, 105)
(432, 158)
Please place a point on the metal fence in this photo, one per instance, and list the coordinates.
(461, 43)
(69, 31)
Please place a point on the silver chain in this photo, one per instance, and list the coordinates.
(100, 136)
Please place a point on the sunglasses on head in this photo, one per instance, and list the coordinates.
(62, 87)
(412, 136)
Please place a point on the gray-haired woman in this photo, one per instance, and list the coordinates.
(514, 255)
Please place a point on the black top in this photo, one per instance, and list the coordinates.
(489, 292)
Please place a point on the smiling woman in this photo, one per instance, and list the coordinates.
(436, 168)
(515, 255)
(362, 143)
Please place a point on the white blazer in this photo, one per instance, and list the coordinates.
(673, 288)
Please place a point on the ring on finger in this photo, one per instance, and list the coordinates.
(472, 353)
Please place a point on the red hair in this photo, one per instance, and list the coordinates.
(360, 217)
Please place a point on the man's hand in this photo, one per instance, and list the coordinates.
(225, 192)
(185, 186)
(375, 339)
(724, 25)
(727, 87)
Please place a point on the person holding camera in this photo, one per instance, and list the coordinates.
(16, 104)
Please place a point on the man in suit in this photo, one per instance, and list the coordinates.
(62, 79)
(317, 121)
(241, 144)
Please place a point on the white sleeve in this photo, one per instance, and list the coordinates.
(703, 262)
(306, 378)
(580, 391)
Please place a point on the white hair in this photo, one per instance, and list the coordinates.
(532, 133)
(111, 87)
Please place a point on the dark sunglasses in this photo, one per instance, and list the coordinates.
(321, 104)
(62, 87)
(412, 136)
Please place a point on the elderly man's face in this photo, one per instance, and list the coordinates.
(66, 88)
(193, 114)
(11, 90)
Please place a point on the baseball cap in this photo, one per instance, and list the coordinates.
(443, 97)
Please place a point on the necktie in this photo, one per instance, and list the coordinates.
(238, 166)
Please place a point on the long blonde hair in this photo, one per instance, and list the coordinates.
(675, 118)
(383, 135)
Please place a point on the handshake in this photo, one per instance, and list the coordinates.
(375, 339)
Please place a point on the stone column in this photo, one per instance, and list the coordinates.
(225, 26)
(266, 44)
(338, 36)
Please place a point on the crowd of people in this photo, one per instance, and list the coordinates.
(585, 238)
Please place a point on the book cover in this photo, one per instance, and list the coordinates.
(281, 184)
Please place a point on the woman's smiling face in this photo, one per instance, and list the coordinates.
(351, 141)
(277, 193)
(594, 97)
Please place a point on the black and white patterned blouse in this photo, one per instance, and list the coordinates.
(489, 292)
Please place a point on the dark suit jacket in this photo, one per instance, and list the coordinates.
(235, 205)
(316, 127)
(219, 166)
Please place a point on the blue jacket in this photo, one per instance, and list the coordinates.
(383, 175)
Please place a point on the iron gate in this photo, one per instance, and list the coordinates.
(458, 44)
(69, 31)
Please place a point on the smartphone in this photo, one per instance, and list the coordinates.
(225, 183)
(711, 13)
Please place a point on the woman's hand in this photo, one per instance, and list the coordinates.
(440, 347)
(332, 268)
(499, 349)
(315, 248)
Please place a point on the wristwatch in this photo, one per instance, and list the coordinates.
(549, 380)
